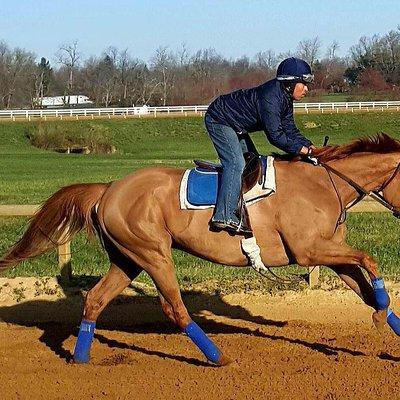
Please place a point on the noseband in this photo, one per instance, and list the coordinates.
(374, 194)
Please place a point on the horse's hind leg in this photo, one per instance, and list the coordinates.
(163, 275)
(110, 286)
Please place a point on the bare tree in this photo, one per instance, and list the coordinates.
(266, 60)
(332, 50)
(183, 56)
(69, 56)
(363, 53)
(162, 64)
(42, 75)
(308, 50)
(16, 68)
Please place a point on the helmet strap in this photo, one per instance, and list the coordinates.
(289, 87)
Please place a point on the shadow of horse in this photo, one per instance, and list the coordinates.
(142, 314)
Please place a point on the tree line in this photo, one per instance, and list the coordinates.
(116, 78)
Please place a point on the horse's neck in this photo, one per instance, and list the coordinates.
(369, 171)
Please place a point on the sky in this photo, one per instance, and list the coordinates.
(234, 28)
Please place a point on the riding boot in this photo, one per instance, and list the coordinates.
(243, 215)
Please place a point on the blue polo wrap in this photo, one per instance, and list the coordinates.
(203, 342)
(393, 321)
(84, 342)
(381, 295)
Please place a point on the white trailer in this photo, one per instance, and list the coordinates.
(63, 101)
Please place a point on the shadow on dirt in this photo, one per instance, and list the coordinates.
(142, 314)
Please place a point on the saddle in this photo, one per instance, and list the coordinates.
(253, 170)
(252, 174)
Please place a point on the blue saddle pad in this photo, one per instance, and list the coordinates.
(202, 187)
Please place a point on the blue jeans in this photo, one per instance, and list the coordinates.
(230, 148)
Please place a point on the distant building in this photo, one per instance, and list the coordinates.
(63, 101)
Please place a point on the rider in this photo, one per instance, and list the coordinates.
(267, 107)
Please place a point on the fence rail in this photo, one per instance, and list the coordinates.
(184, 110)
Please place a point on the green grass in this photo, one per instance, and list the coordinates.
(348, 97)
(30, 175)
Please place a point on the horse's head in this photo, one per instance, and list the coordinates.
(391, 191)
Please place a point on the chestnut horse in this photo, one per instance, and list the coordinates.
(139, 220)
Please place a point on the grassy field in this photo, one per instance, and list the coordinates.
(30, 175)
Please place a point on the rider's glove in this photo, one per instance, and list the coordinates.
(314, 160)
(311, 157)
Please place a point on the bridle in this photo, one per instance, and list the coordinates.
(374, 194)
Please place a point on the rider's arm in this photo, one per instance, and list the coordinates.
(292, 131)
(275, 127)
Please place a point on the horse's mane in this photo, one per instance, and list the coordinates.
(379, 143)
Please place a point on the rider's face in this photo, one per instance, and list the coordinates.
(300, 91)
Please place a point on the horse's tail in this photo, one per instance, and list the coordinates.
(63, 215)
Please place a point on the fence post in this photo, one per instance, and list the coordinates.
(313, 276)
(64, 261)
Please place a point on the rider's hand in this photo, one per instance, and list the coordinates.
(304, 150)
(307, 150)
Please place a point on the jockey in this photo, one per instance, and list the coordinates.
(268, 107)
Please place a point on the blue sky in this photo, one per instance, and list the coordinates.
(233, 28)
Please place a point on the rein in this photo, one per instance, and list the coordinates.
(374, 194)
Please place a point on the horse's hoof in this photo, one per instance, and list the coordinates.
(224, 360)
(380, 319)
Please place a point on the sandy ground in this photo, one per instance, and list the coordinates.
(315, 344)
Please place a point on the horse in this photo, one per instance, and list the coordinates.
(138, 220)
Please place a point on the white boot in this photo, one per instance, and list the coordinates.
(251, 249)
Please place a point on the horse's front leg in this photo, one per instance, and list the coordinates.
(353, 277)
(336, 255)
(355, 280)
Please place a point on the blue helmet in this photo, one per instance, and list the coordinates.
(294, 70)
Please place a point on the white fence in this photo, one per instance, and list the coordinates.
(183, 110)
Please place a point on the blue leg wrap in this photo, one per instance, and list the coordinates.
(393, 321)
(203, 342)
(381, 295)
(84, 342)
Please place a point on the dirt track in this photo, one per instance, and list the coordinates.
(308, 345)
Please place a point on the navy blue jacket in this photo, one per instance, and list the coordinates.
(267, 107)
